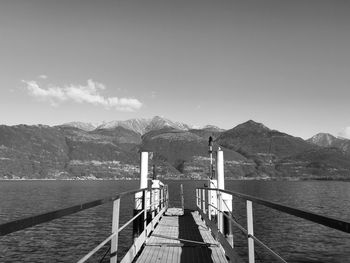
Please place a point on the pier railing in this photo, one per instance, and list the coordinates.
(154, 202)
(210, 208)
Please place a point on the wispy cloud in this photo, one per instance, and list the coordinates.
(153, 94)
(89, 93)
(345, 133)
(42, 76)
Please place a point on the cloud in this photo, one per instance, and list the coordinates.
(42, 76)
(345, 133)
(89, 93)
(153, 94)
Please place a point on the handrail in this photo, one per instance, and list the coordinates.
(132, 219)
(147, 206)
(204, 206)
(104, 242)
(258, 241)
(116, 229)
(331, 222)
(31, 221)
(97, 248)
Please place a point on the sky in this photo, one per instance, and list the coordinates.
(282, 63)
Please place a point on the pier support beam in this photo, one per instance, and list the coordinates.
(224, 200)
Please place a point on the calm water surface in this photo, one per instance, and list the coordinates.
(69, 238)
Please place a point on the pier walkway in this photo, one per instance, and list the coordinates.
(181, 237)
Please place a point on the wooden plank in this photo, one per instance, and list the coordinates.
(226, 246)
(167, 244)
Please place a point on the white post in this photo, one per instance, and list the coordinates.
(182, 198)
(167, 197)
(115, 229)
(156, 194)
(144, 170)
(220, 169)
(203, 205)
(209, 202)
(221, 185)
(212, 198)
(144, 201)
(151, 211)
(225, 202)
(143, 179)
(250, 231)
(161, 205)
(139, 204)
(220, 213)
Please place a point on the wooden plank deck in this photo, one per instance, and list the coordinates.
(170, 241)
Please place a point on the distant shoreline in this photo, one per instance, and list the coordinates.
(185, 179)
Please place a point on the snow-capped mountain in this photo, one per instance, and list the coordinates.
(137, 125)
(85, 126)
(323, 139)
(328, 140)
(143, 126)
(211, 128)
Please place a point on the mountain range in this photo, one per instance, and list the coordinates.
(79, 150)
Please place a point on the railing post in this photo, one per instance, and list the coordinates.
(144, 207)
(250, 231)
(152, 203)
(220, 212)
(182, 198)
(155, 200)
(203, 204)
(213, 199)
(167, 197)
(115, 229)
(220, 185)
(197, 198)
(209, 203)
(158, 200)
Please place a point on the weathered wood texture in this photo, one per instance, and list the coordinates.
(171, 241)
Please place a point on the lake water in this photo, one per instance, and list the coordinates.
(69, 238)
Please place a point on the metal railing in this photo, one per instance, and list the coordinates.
(150, 204)
(207, 206)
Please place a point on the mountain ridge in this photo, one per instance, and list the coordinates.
(251, 149)
(328, 140)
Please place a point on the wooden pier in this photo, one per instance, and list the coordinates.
(181, 237)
